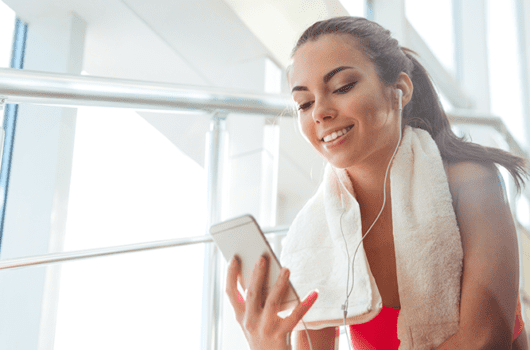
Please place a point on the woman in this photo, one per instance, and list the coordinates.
(348, 79)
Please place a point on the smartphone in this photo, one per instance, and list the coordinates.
(243, 237)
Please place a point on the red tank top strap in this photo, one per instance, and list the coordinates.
(519, 323)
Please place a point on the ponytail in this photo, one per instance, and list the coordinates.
(425, 111)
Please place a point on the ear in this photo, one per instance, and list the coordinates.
(405, 84)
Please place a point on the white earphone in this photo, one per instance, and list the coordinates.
(399, 92)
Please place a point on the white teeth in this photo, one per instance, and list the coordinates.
(336, 134)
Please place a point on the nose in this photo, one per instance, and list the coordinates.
(323, 111)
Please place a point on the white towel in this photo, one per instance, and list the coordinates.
(427, 245)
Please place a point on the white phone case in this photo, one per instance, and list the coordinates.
(242, 236)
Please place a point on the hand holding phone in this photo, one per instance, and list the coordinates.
(243, 238)
(268, 294)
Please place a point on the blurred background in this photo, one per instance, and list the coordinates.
(90, 177)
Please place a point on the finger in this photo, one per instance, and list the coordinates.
(299, 311)
(235, 297)
(274, 300)
(254, 299)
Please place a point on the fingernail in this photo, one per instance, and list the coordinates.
(285, 272)
(312, 296)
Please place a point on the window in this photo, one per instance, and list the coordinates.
(433, 20)
(131, 184)
(504, 66)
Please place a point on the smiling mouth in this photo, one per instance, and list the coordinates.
(336, 134)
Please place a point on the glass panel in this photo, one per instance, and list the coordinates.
(7, 28)
(130, 183)
(433, 20)
(147, 300)
(523, 211)
(505, 73)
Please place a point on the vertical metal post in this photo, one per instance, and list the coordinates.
(457, 31)
(369, 12)
(2, 130)
(9, 121)
(216, 154)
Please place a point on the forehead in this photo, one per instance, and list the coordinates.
(314, 59)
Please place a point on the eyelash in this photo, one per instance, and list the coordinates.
(304, 106)
(346, 88)
(342, 90)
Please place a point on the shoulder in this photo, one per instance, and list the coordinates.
(462, 173)
(473, 180)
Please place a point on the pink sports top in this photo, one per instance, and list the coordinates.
(381, 331)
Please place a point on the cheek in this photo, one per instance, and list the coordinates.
(361, 106)
(372, 111)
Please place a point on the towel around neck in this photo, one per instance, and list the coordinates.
(427, 245)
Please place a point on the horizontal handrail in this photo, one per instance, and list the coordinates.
(25, 86)
(52, 258)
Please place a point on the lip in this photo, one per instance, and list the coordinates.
(331, 131)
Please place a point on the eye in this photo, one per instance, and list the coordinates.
(345, 88)
(305, 106)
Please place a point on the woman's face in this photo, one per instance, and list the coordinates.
(345, 111)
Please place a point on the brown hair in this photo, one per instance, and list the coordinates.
(424, 109)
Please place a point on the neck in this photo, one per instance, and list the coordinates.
(368, 178)
(368, 185)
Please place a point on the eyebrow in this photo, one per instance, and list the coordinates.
(330, 75)
(326, 78)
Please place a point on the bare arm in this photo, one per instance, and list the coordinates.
(490, 278)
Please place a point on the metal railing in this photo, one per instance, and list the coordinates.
(53, 258)
(25, 86)
(21, 86)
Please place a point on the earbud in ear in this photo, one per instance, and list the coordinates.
(399, 98)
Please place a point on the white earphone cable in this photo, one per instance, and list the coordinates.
(344, 307)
